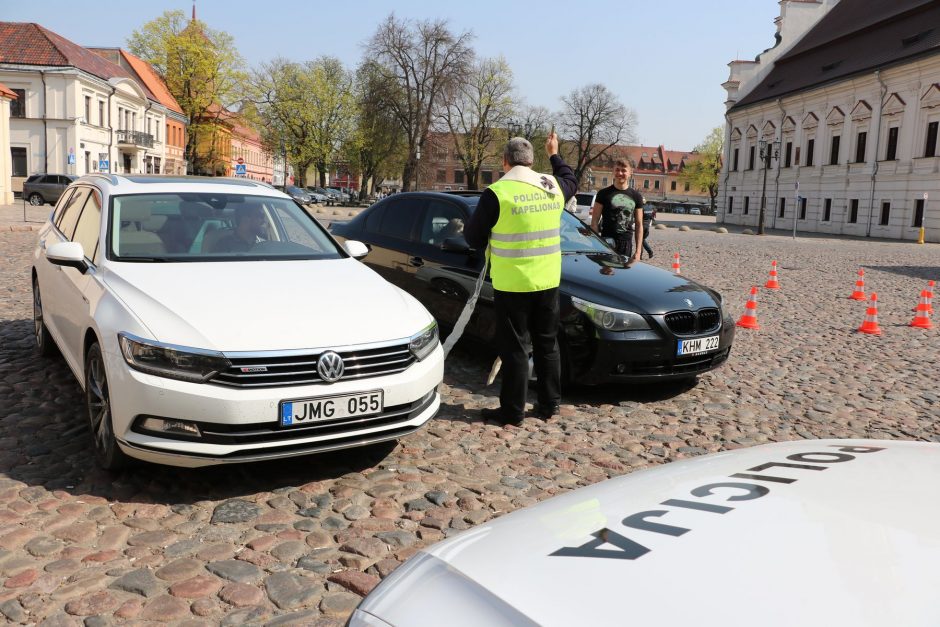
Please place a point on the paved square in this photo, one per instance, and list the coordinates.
(306, 537)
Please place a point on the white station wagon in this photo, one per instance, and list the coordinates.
(213, 321)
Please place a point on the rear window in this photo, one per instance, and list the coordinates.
(214, 227)
(585, 199)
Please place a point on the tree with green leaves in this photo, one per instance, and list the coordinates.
(422, 60)
(306, 109)
(376, 146)
(703, 171)
(201, 68)
(476, 113)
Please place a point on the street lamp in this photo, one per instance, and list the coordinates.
(767, 150)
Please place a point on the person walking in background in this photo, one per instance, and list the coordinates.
(649, 214)
(519, 216)
(616, 212)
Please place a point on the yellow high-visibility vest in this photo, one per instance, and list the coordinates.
(525, 243)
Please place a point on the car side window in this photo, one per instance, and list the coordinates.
(399, 219)
(62, 180)
(374, 220)
(60, 206)
(89, 225)
(441, 221)
(72, 211)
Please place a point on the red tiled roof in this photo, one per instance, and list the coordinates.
(152, 80)
(32, 44)
(6, 92)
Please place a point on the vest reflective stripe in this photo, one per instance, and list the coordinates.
(525, 237)
(525, 252)
(525, 242)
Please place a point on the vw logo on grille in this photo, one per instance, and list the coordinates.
(330, 366)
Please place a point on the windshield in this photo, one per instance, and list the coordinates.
(214, 227)
(585, 198)
(576, 236)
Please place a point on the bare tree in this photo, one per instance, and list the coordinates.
(592, 121)
(476, 112)
(534, 123)
(422, 59)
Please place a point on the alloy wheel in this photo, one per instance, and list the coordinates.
(36, 200)
(43, 340)
(98, 400)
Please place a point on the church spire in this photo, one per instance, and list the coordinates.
(194, 10)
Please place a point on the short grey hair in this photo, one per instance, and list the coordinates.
(519, 152)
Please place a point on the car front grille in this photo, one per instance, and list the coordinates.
(692, 322)
(265, 371)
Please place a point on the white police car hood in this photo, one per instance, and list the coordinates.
(818, 532)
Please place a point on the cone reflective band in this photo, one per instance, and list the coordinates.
(772, 283)
(675, 264)
(749, 319)
(922, 316)
(859, 293)
(930, 297)
(870, 325)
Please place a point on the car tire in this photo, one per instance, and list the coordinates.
(36, 199)
(98, 405)
(44, 342)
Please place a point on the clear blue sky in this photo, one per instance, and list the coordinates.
(666, 59)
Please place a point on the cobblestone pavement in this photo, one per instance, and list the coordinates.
(299, 541)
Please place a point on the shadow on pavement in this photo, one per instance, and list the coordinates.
(45, 441)
(916, 272)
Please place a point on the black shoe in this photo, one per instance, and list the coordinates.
(651, 254)
(498, 415)
(547, 411)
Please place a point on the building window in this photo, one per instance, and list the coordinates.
(730, 204)
(892, 152)
(87, 109)
(656, 184)
(604, 181)
(18, 106)
(18, 156)
(930, 150)
(735, 160)
(783, 208)
(827, 210)
(834, 150)
(853, 211)
(101, 113)
(802, 208)
(885, 213)
(672, 186)
(860, 140)
(747, 204)
(686, 187)
(918, 213)
(810, 146)
(487, 177)
(750, 158)
(442, 176)
(788, 155)
(458, 177)
(646, 183)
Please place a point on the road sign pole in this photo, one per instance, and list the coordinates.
(923, 216)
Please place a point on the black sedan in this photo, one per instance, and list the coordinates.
(619, 321)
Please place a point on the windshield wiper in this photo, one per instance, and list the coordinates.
(146, 259)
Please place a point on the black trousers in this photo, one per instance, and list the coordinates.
(521, 316)
(646, 245)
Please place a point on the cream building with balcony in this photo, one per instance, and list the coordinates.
(75, 111)
(851, 92)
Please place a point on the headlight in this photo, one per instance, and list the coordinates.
(185, 364)
(423, 342)
(610, 319)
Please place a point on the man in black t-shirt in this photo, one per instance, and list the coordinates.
(618, 213)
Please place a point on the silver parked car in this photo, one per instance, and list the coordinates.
(40, 189)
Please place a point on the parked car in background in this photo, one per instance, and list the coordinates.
(585, 203)
(206, 321)
(40, 189)
(299, 195)
(809, 532)
(332, 196)
(620, 322)
(340, 195)
(695, 211)
(317, 196)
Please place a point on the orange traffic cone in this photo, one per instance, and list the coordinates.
(859, 293)
(929, 295)
(772, 283)
(922, 313)
(676, 268)
(749, 319)
(870, 325)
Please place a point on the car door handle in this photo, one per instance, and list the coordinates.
(417, 262)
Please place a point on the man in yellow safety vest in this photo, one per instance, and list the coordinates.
(519, 216)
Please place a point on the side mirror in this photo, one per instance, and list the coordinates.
(357, 249)
(456, 244)
(69, 254)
